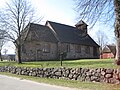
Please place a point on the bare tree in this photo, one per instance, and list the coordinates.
(5, 51)
(16, 16)
(2, 41)
(101, 39)
(94, 10)
(102, 10)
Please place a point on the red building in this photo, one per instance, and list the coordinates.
(109, 51)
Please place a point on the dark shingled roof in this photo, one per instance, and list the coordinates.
(81, 23)
(70, 34)
(60, 33)
(43, 33)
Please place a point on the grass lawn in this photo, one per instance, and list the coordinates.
(84, 63)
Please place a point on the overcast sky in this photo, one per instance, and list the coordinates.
(61, 11)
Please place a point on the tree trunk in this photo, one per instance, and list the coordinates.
(1, 56)
(117, 58)
(19, 54)
(117, 30)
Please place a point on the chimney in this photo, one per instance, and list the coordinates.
(81, 25)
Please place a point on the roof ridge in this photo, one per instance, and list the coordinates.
(36, 24)
(61, 23)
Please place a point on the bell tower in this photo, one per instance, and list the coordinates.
(81, 25)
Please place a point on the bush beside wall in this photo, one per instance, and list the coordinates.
(81, 74)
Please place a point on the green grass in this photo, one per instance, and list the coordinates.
(84, 63)
(68, 83)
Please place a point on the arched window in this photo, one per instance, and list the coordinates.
(68, 48)
(46, 48)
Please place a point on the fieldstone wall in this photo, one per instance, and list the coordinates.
(81, 74)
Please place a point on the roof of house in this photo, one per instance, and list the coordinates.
(110, 49)
(70, 34)
(81, 22)
(43, 33)
(64, 33)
